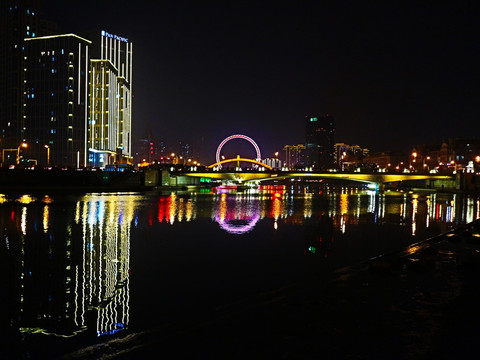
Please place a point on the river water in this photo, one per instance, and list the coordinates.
(80, 271)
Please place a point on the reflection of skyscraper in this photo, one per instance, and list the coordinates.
(73, 266)
(319, 141)
(106, 260)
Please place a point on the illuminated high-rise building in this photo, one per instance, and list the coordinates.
(319, 141)
(109, 125)
(56, 99)
(76, 110)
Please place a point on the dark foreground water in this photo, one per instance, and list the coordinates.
(115, 275)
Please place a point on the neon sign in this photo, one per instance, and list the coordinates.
(116, 37)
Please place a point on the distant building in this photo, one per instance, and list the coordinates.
(148, 149)
(387, 160)
(319, 141)
(275, 163)
(348, 154)
(452, 152)
(294, 155)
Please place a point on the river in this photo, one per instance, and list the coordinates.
(79, 271)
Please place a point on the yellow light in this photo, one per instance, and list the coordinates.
(173, 154)
(24, 145)
(477, 158)
(452, 162)
(414, 154)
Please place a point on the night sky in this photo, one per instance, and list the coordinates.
(393, 74)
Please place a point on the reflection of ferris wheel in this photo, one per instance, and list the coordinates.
(237, 136)
(238, 227)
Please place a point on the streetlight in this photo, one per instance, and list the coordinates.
(24, 145)
(48, 154)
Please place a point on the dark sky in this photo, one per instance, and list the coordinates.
(392, 73)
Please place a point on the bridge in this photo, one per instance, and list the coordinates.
(248, 175)
(261, 172)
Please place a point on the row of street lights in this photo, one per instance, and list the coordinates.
(17, 150)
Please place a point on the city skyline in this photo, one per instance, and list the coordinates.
(392, 75)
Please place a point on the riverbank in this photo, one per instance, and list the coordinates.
(419, 303)
(69, 181)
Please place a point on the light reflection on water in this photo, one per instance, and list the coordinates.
(69, 259)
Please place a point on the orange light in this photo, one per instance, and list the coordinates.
(477, 158)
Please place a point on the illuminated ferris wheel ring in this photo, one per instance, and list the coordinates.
(237, 136)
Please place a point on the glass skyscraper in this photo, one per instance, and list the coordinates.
(319, 141)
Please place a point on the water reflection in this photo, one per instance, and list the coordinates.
(67, 261)
(318, 235)
(238, 213)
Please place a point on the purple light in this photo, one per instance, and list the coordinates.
(237, 136)
(238, 229)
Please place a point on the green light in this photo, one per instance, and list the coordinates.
(312, 249)
(205, 180)
(313, 119)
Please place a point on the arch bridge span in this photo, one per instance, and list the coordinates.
(374, 178)
(238, 159)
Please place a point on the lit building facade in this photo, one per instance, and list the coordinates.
(56, 100)
(353, 154)
(294, 155)
(275, 163)
(63, 101)
(109, 124)
(319, 141)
